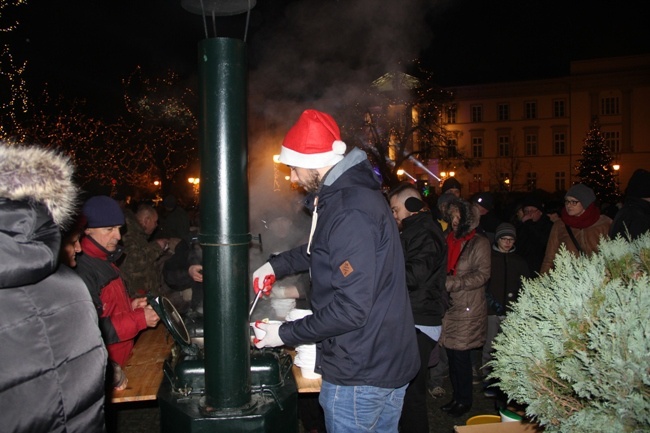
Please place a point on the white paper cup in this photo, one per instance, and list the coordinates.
(308, 373)
(260, 333)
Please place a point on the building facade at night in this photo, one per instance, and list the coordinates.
(529, 135)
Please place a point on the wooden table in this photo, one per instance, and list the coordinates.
(144, 369)
(304, 384)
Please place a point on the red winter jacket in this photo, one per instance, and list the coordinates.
(118, 322)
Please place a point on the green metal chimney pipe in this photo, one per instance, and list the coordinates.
(224, 233)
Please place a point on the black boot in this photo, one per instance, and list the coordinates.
(449, 406)
(459, 409)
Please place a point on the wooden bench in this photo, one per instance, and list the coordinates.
(144, 369)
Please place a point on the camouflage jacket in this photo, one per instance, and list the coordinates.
(140, 268)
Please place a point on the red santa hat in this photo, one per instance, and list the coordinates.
(313, 142)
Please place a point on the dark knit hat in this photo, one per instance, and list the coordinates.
(484, 199)
(531, 200)
(639, 184)
(102, 211)
(505, 229)
(450, 183)
(582, 193)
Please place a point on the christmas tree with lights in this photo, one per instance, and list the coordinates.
(595, 168)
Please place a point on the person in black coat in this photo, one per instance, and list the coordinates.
(533, 233)
(508, 268)
(51, 351)
(633, 219)
(489, 218)
(425, 255)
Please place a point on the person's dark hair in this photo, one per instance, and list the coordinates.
(553, 206)
(402, 187)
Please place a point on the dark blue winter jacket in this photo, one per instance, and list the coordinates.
(362, 321)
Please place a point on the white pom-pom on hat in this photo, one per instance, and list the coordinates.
(339, 147)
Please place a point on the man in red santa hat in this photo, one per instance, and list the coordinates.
(362, 323)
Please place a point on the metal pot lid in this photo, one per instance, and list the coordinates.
(172, 319)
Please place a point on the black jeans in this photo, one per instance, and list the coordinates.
(460, 374)
(414, 418)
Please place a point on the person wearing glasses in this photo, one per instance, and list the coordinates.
(579, 228)
(505, 282)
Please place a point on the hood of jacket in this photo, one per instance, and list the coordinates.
(37, 199)
(470, 216)
(38, 175)
(355, 157)
(357, 171)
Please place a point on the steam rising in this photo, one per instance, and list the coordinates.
(314, 54)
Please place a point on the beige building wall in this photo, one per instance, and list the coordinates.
(616, 90)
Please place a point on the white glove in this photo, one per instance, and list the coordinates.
(263, 279)
(272, 337)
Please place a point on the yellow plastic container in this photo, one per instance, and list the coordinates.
(483, 419)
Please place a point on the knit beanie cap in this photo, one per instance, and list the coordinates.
(582, 193)
(639, 184)
(102, 211)
(532, 201)
(450, 183)
(313, 142)
(505, 229)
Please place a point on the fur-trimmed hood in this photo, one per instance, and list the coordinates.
(470, 216)
(30, 173)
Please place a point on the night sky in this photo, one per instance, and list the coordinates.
(303, 51)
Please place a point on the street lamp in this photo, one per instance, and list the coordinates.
(195, 187)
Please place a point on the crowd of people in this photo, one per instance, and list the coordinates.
(462, 264)
(403, 291)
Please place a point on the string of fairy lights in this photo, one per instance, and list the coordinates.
(151, 141)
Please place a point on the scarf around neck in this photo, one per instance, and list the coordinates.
(454, 248)
(587, 219)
